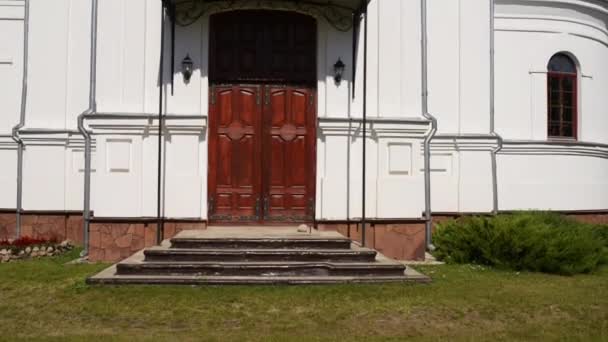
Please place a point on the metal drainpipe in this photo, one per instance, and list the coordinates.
(87, 134)
(492, 110)
(161, 70)
(15, 132)
(364, 130)
(432, 131)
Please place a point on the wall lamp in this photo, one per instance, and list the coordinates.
(187, 68)
(338, 71)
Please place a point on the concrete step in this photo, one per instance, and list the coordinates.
(262, 255)
(304, 242)
(231, 255)
(263, 269)
(113, 279)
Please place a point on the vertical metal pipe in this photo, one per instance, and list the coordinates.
(172, 18)
(356, 18)
(161, 222)
(15, 131)
(86, 211)
(364, 131)
(432, 131)
(492, 108)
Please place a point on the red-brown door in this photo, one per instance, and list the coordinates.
(289, 154)
(262, 136)
(235, 148)
(262, 154)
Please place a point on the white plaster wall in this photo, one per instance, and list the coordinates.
(11, 66)
(551, 177)
(128, 64)
(8, 177)
(58, 63)
(394, 89)
(459, 57)
(552, 182)
(44, 177)
(525, 43)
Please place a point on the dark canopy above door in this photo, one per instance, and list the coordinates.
(338, 13)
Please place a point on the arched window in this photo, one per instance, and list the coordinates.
(562, 92)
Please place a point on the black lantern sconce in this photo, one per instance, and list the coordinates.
(187, 68)
(338, 71)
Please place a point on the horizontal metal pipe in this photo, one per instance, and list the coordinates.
(48, 131)
(467, 136)
(554, 142)
(130, 116)
(372, 120)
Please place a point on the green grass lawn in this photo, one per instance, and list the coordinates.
(47, 300)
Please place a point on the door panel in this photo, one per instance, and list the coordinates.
(289, 150)
(262, 155)
(234, 153)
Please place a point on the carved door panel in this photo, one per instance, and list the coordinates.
(234, 153)
(289, 154)
(262, 154)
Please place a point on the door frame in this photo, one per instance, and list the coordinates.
(268, 80)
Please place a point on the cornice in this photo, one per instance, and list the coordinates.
(599, 6)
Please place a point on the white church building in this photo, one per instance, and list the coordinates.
(125, 122)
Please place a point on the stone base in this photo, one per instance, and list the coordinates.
(593, 218)
(116, 241)
(400, 241)
(58, 226)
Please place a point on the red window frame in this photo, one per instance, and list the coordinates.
(559, 101)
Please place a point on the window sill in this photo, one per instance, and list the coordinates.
(562, 139)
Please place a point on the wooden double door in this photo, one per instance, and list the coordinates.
(262, 147)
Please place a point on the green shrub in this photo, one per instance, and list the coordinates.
(532, 241)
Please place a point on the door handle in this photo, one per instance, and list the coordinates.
(211, 205)
(266, 207)
(257, 208)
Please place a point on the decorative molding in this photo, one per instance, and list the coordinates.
(12, 9)
(377, 127)
(514, 28)
(600, 6)
(340, 17)
(137, 123)
(570, 148)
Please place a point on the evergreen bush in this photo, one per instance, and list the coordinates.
(532, 241)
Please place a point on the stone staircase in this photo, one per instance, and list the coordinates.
(256, 255)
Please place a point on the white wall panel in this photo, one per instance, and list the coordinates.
(11, 9)
(552, 182)
(475, 181)
(74, 178)
(400, 190)
(8, 178)
(184, 179)
(11, 65)
(445, 181)
(474, 66)
(49, 50)
(444, 63)
(44, 178)
(119, 188)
